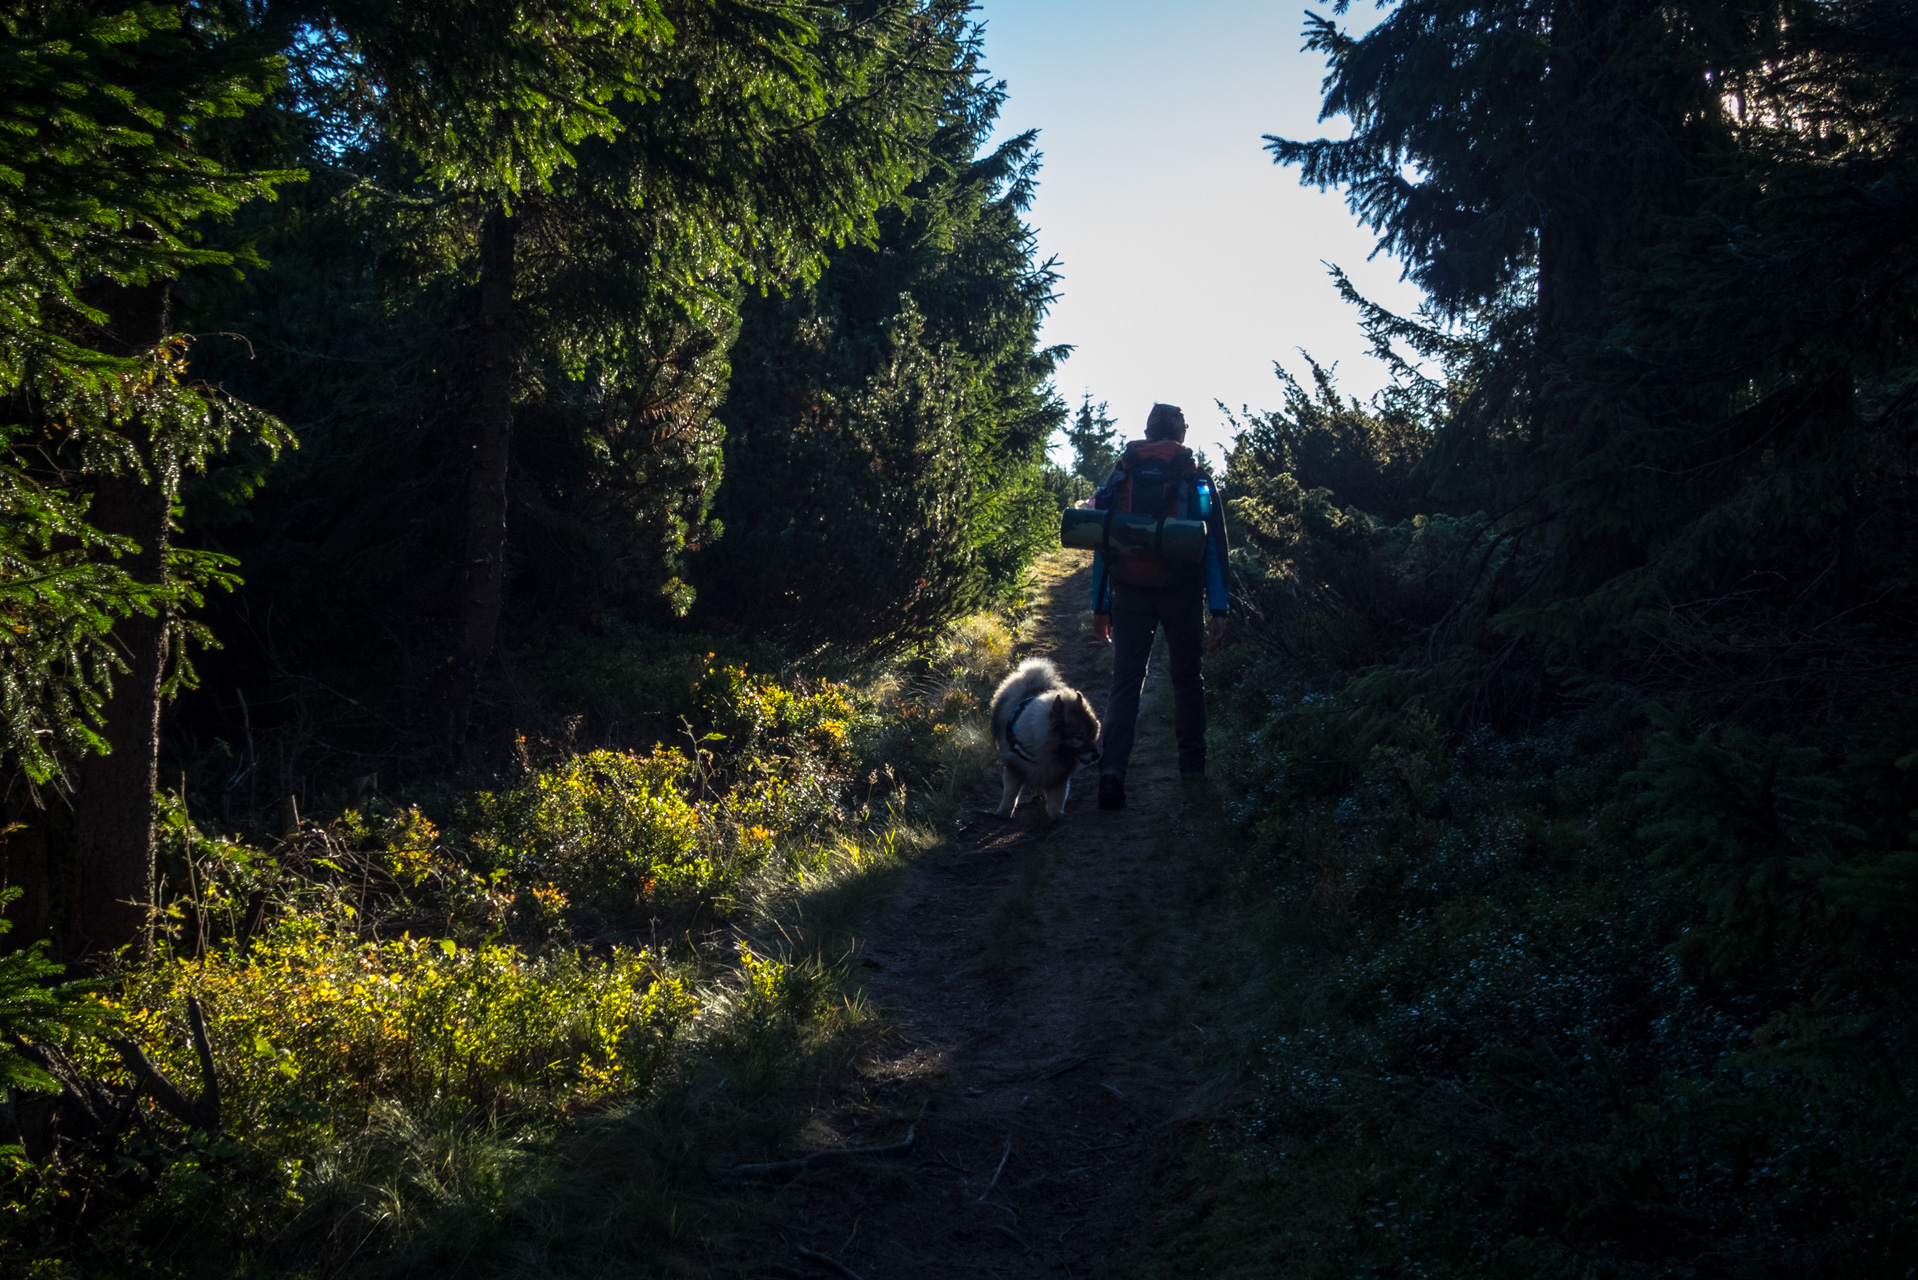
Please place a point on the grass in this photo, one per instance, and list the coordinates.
(1225, 966)
(643, 1188)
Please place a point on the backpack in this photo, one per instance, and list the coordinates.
(1158, 478)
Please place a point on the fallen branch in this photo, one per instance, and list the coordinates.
(202, 1112)
(774, 1168)
(1007, 1155)
(827, 1261)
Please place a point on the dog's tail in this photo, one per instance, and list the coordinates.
(1033, 676)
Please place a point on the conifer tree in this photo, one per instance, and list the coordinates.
(886, 428)
(1676, 248)
(490, 102)
(1093, 434)
(710, 144)
(107, 114)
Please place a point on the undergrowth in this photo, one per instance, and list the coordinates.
(520, 1033)
(1619, 995)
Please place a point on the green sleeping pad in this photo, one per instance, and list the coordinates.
(1134, 535)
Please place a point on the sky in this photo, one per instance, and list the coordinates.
(1190, 261)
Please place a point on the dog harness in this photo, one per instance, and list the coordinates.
(1012, 738)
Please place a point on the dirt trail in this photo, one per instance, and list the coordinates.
(1004, 961)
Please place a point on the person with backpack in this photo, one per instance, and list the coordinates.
(1134, 595)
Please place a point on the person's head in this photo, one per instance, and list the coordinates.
(1165, 422)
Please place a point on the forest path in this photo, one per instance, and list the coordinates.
(1006, 964)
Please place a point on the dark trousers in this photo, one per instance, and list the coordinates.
(1137, 614)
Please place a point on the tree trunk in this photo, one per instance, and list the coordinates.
(1570, 285)
(113, 804)
(481, 593)
(1570, 235)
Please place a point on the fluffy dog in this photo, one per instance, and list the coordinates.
(1044, 729)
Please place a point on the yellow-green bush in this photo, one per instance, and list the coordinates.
(398, 1016)
(314, 1014)
(666, 832)
(765, 719)
(612, 827)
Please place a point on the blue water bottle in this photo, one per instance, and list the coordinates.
(1204, 489)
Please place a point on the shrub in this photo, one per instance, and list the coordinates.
(611, 827)
(315, 1022)
(1580, 1007)
(401, 1021)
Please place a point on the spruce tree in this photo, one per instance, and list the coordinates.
(755, 140)
(886, 428)
(490, 102)
(1093, 434)
(1673, 247)
(108, 116)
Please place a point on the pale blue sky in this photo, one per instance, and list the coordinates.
(1191, 262)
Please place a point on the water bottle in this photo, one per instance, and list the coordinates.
(1204, 504)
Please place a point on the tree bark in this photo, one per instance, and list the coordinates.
(483, 588)
(1571, 276)
(1571, 285)
(113, 803)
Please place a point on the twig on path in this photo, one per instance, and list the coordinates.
(949, 1163)
(827, 1261)
(1114, 1092)
(773, 1168)
(1007, 1155)
(851, 1237)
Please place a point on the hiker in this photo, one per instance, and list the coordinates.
(1134, 595)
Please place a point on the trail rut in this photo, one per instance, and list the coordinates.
(1003, 962)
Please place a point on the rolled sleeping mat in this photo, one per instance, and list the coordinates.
(1134, 535)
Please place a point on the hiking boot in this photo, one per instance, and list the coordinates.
(1111, 791)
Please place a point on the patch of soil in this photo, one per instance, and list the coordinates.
(1003, 963)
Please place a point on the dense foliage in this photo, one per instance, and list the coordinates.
(886, 428)
(508, 256)
(633, 347)
(394, 1025)
(1571, 863)
(486, 265)
(754, 149)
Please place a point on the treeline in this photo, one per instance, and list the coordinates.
(474, 476)
(384, 380)
(1580, 719)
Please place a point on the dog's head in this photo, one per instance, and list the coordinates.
(1075, 728)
